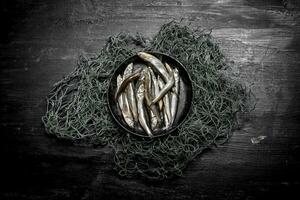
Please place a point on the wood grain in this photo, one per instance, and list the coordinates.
(41, 43)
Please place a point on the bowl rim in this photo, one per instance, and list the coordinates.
(168, 131)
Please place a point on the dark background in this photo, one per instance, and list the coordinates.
(41, 42)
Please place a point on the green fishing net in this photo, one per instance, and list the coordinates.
(77, 105)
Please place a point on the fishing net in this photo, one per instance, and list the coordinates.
(77, 105)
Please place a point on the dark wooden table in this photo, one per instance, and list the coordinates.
(41, 42)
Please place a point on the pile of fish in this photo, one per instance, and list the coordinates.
(148, 96)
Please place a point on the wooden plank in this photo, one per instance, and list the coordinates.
(41, 44)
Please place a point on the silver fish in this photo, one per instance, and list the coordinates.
(174, 101)
(156, 64)
(154, 118)
(175, 95)
(148, 96)
(123, 85)
(177, 81)
(165, 89)
(120, 99)
(128, 70)
(126, 112)
(141, 112)
(166, 107)
(155, 88)
(124, 106)
(130, 93)
(168, 68)
(166, 121)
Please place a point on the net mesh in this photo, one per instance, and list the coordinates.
(77, 105)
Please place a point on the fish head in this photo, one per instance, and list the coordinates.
(144, 55)
(176, 74)
(119, 80)
(140, 90)
(168, 68)
(128, 70)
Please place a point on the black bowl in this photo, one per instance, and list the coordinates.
(184, 101)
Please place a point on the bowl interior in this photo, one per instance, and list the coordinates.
(184, 100)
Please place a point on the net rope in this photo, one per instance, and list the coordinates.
(77, 105)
